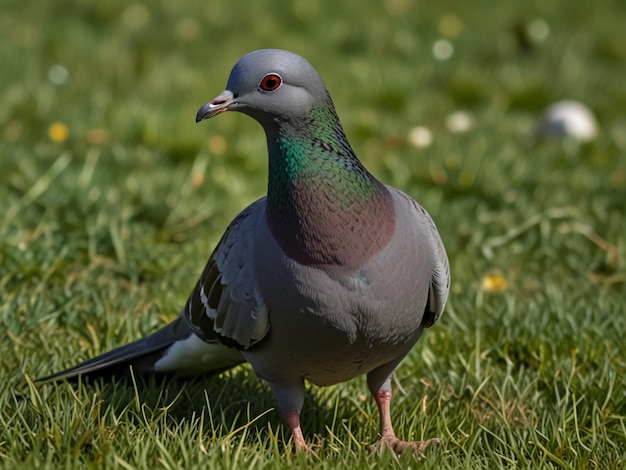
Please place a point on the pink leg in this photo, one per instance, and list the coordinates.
(290, 397)
(388, 437)
(293, 421)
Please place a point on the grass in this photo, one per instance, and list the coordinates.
(105, 230)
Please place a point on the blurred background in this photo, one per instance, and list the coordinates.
(445, 100)
(113, 197)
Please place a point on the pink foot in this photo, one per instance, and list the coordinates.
(398, 446)
(389, 439)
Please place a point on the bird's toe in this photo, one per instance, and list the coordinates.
(399, 446)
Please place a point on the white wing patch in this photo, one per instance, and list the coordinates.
(193, 355)
(210, 312)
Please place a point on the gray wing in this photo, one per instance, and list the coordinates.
(226, 304)
(440, 276)
(440, 279)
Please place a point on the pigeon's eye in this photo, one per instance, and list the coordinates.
(270, 82)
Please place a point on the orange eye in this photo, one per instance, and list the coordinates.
(270, 82)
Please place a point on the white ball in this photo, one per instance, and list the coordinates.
(569, 119)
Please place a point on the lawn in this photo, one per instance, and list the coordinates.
(113, 199)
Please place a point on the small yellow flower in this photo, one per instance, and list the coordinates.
(97, 136)
(197, 180)
(439, 177)
(58, 132)
(450, 25)
(495, 283)
(217, 144)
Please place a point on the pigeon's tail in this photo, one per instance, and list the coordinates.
(173, 349)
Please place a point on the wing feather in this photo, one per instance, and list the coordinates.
(226, 306)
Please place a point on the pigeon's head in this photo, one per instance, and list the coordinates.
(269, 85)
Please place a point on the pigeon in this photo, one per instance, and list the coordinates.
(331, 276)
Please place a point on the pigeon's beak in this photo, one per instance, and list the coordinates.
(219, 104)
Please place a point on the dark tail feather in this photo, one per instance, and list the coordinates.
(141, 355)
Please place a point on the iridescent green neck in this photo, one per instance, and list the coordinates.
(316, 152)
(317, 188)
